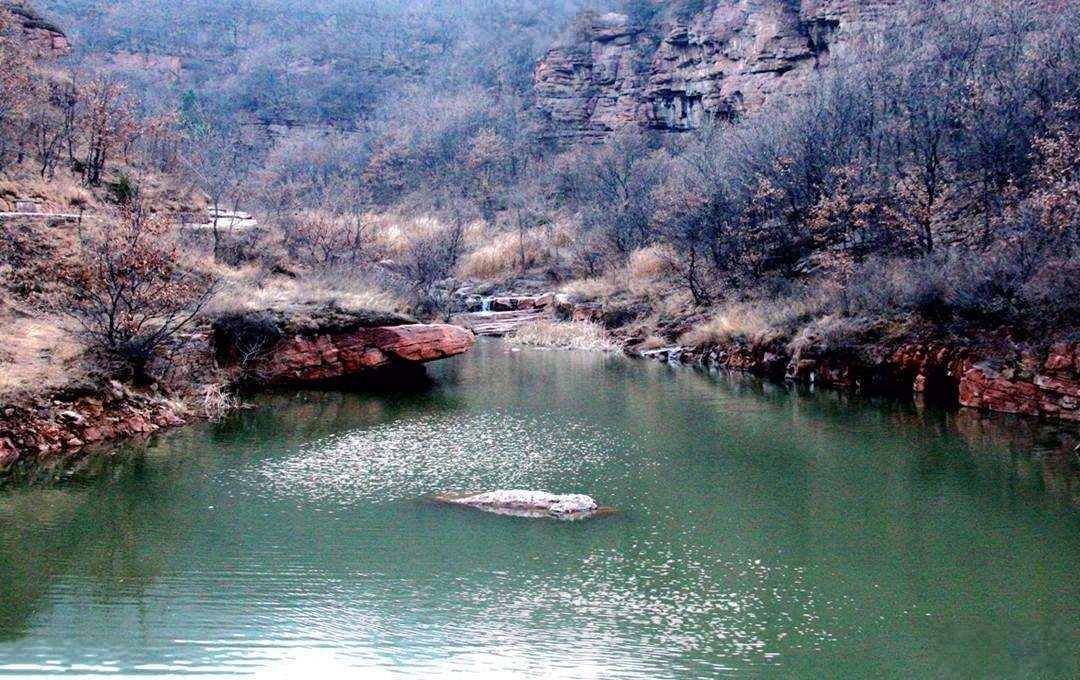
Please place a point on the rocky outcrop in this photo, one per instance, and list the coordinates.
(524, 503)
(1052, 390)
(45, 38)
(732, 56)
(64, 425)
(1026, 385)
(288, 349)
(501, 315)
(270, 348)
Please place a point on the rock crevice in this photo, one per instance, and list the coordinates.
(730, 57)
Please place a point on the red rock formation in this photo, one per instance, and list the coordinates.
(66, 425)
(334, 355)
(62, 426)
(1053, 392)
(1047, 388)
(42, 36)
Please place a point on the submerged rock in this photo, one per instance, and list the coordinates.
(526, 503)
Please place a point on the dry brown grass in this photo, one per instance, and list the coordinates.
(496, 254)
(62, 193)
(502, 255)
(391, 235)
(250, 289)
(599, 288)
(646, 275)
(582, 335)
(760, 322)
(653, 342)
(39, 354)
(740, 321)
(650, 264)
(65, 192)
(828, 332)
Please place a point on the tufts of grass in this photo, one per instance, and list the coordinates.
(242, 290)
(600, 288)
(583, 335)
(761, 322)
(648, 265)
(497, 254)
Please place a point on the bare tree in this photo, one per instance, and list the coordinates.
(106, 121)
(129, 291)
(218, 161)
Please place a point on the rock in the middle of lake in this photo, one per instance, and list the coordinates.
(530, 503)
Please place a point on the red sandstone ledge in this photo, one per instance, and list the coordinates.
(334, 355)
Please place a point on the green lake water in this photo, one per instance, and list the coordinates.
(761, 532)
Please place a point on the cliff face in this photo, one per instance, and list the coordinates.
(42, 36)
(733, 56)
(1041, 385)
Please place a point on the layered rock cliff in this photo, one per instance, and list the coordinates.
(732, 56)
(45, 38)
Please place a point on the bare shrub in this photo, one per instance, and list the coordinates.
(129, 293)
(217, 402)
(427, 267)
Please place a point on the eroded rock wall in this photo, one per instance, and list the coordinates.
(731, 57)
(325, 345)
(326, 357)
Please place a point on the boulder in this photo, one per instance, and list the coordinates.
(525, 503)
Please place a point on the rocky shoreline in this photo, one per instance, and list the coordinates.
(329, 347)
(66, 426)
(1046, 386)
(259, 350)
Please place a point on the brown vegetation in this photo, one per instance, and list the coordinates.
(128, 291)
(581, 335)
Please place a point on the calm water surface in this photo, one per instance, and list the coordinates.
(762, 533)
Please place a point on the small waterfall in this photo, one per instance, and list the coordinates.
(485, 304)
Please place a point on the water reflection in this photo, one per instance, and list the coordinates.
(760, 530)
